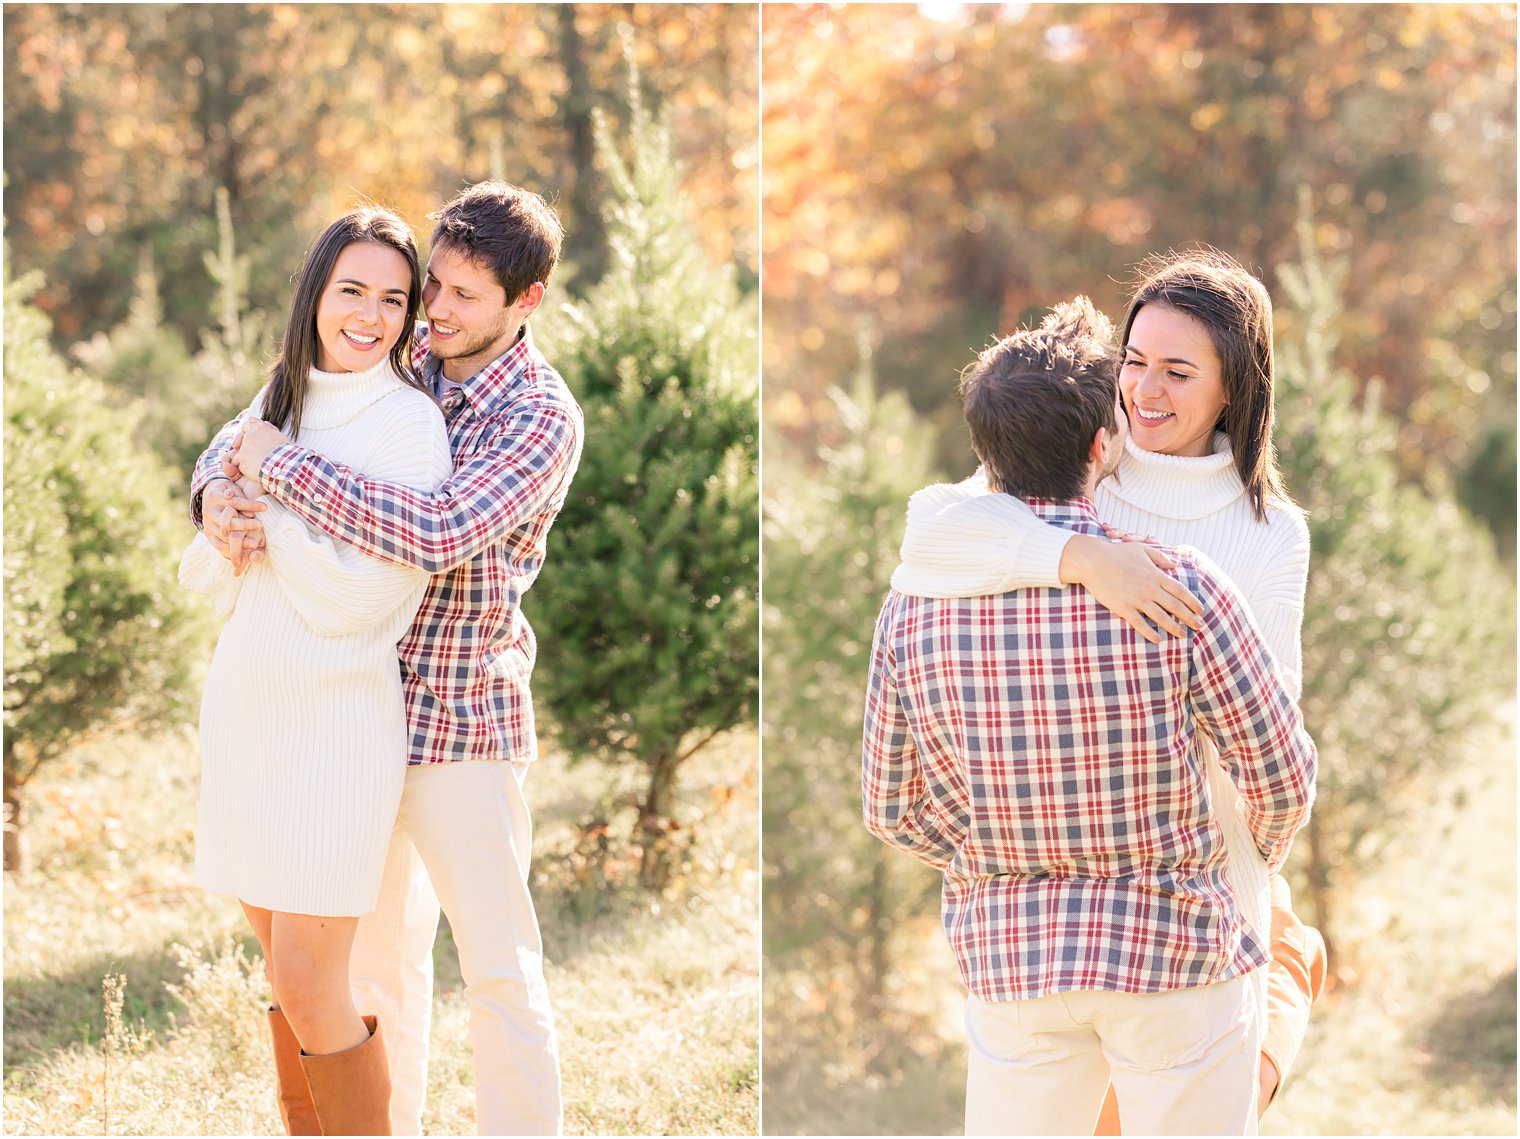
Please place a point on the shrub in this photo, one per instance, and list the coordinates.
(1408, 618)
(97, 632)
(845, 916)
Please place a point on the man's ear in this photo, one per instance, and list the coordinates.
(1098, 451)
(531, 298)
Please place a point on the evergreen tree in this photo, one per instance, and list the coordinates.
(647, 620)
(838, 902)
(185, 399)
(97, 632)
(1407, 642)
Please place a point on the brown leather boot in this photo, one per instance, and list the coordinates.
(352, 1088)
(297, 1111)
(1295, 978)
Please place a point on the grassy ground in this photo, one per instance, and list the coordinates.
(1421, 1041)
(1417, 1039)
(656, 995)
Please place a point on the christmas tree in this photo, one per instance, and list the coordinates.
(648, 623)
(98, 634)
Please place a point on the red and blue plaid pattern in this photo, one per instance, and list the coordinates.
(467, 659)
(1037, 750)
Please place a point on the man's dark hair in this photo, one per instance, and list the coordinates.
(512, 232)
(1035, 399)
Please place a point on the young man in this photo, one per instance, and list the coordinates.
(1040, 752)
(516, 432)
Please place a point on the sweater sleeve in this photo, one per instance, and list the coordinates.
(203, 570)
(337, 588)
(1277, 598)
(962, 540)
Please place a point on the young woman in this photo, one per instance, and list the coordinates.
(302, 729)
(1198, 470)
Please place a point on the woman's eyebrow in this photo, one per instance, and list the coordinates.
(365, 284)
(1165, 360)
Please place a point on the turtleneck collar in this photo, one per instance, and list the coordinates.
(334, 398)
(1175, 486)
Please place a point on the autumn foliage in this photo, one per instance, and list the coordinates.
(945, 179)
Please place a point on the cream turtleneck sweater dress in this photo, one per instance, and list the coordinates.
(302, 729)
(962, 541)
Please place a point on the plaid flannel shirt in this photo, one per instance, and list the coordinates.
(467, 659)
(1042, 754)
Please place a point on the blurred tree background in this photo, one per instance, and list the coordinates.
(950, 176)
(936, 175)
(124, 122)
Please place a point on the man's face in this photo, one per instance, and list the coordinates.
(469, 320)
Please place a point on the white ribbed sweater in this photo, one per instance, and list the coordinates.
(303, 732)
(963, 541)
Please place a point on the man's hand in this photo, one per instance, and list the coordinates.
(1126, 579)
(229, 521)
(254, 445)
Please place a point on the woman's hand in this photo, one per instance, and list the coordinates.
(1126, 579)
(229, 521)
(1119, 535)
(254, 443)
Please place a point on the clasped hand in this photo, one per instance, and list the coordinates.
(228, 505)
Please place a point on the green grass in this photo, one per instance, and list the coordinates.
(656, 995)
(1416, 1038)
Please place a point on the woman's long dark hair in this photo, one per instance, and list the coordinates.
(1214, 289)
(291, 374)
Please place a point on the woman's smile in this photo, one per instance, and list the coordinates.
(362, 311)
(1172, 382)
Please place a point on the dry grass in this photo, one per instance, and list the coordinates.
(1418, 1040)
(1422, 1041)
(656, 997)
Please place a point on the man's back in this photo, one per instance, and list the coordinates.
(1039, 751)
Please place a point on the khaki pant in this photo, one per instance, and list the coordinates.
(1182, 1062)
(462, 840)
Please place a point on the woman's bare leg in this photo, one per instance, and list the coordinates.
(311, 970)
(260, 920)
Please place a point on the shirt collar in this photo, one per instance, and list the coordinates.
(1072, 513)
(491, 380)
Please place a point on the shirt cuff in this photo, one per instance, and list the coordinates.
(280, 466)
(198, 494)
